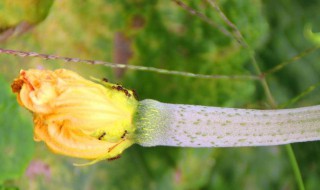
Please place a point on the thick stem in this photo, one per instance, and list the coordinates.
(201, 126)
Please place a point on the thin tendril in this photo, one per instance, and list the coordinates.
(300, 96)
(202, 17)
(291, 60)
(235, 31)
(126, 66)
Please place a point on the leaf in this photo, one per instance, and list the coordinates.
(16, 142)
(312, 36)
(16, 17)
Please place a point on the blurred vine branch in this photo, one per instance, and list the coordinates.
(235, 31)
(300, 96)
(202, 17)
(126, 66)
(302, 54)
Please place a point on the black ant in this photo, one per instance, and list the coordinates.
(102, 135)
(120, 88)
(117, 87)
(135, 95)
(126, 92)
(114, 158)
(124, 134)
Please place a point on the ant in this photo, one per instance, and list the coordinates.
(105, 80)
(124, 134)
(120, 88)
(135, 95)
(114, 158)
(102, 135)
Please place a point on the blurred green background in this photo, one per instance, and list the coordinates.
(162, 34)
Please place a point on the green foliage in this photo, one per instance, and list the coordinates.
(174, 39)
(15, 143)
(287, 39)
(13, 13)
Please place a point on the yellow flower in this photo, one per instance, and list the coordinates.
(77, 117)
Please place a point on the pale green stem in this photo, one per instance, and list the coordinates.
(161, 124)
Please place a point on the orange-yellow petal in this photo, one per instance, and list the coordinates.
(77, 117)
(62, 140)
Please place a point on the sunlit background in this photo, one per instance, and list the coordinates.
(190, 36)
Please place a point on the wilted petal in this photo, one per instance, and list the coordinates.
(75, 116)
